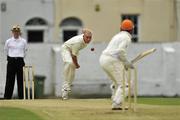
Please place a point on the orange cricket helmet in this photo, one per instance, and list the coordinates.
(127, 25)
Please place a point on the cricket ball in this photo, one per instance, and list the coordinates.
(92, 49)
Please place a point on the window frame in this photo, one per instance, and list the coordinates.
(135, 19)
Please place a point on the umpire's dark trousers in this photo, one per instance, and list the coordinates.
(14, 69)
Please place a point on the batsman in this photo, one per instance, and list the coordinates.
(114, 59)
(69, 51)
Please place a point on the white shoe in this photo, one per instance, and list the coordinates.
(118, 107)
(65, 94)
(115, 106)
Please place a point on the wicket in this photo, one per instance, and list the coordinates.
(128, 81)
(28, 81)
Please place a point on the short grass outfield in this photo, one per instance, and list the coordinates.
(151, 108)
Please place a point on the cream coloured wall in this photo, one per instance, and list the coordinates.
(178, 18)
(157, 21)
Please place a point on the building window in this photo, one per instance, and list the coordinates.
(35, 30)
(36, 21)
(35, 35)
(69, 28)
(135, 19)
(67, 34)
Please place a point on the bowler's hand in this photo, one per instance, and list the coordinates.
(75, 61)
(77, 66)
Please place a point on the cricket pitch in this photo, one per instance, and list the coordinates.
(91, 109)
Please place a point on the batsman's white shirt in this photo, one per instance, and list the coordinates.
(16, 47)
(118, 46)
(75, 44)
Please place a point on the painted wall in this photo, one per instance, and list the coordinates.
(157, 18)
(158, 74)
(20, 11)
(178, 18)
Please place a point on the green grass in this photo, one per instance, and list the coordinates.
(88, 109)
(159, 101)
(11, 113)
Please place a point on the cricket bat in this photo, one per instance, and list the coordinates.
(142, 55)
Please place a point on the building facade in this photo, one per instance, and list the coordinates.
(35, 17)
(46, 24)
(54, 21)
(155, 20)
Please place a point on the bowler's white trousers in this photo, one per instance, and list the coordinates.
(69, 68)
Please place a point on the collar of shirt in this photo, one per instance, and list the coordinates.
(15, 38)
(125, 32)
(85, 43)
(83, 40)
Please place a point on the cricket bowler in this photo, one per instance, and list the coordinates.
(114, 59)
(69, 51)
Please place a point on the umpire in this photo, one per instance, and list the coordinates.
(15, 48)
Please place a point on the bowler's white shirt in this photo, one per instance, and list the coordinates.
(118, 45)
(16, 47)
(76, 44)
